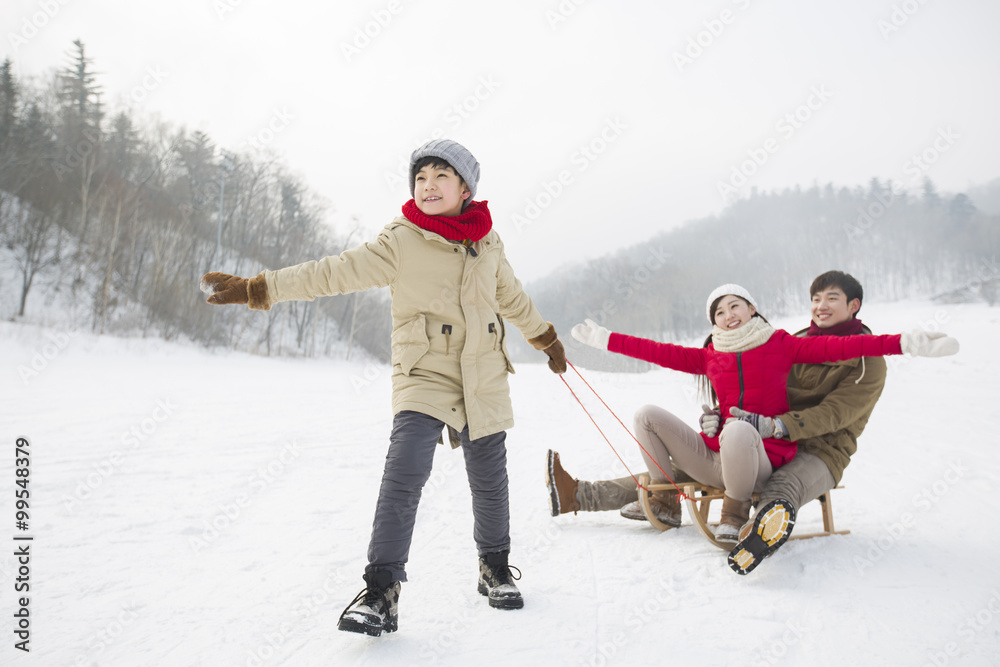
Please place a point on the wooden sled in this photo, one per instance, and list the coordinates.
(699, 501)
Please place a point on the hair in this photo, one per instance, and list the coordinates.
(705, 388)
(845, 282)
(433, 161)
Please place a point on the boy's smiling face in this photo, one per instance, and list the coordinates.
(439, 191)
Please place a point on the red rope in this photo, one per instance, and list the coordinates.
(681, 495)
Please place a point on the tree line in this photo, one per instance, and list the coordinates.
(125, 218)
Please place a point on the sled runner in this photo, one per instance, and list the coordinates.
(699, 501)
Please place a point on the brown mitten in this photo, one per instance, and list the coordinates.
(549, 343)
(223, 288)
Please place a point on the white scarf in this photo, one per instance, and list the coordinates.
(754, 333)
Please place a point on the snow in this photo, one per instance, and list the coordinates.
(192, 507)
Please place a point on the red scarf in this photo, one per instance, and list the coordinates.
(851, 327)
(473, 223)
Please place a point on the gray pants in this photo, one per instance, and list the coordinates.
(408, 467)
(802, 479)
(741, 467)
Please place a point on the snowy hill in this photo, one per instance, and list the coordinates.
(191, 508)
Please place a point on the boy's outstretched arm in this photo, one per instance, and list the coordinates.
(373, 264)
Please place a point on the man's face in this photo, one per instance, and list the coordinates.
(439, 191)
(830, 307)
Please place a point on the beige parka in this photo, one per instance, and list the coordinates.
(449, 303)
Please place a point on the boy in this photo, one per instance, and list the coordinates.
(451, 288)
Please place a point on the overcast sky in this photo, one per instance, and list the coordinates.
(597, 124)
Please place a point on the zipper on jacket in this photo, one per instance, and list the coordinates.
(468, 245)
(739, 368)
(492, 328)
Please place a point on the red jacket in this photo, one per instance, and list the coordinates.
(755, 380)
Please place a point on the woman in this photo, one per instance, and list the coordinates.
(747, 363)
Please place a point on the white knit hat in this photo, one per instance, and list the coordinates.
(723, 290)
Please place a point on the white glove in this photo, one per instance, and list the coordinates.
(592, 334)
(709, 421)
(919, 343)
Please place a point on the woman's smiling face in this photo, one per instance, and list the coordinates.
(732, 312)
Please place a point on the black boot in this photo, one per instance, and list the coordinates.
(760, 538)
(374, 608)
(497, 582)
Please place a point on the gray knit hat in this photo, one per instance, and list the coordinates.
(723, 290)
(455, 154)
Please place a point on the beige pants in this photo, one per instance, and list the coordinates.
(741, 466)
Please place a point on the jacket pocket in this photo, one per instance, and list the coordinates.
(409, 343)
(503, 344)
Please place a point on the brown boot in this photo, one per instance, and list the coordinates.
(562, 487)
(734, 514)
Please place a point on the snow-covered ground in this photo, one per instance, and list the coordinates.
(197, 508)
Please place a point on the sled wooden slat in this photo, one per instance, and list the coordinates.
(699, 501)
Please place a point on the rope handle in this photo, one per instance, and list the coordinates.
(680, 493)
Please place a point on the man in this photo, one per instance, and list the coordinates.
(830, 405)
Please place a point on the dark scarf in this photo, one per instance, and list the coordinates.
(851, 327)
(473, 223)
